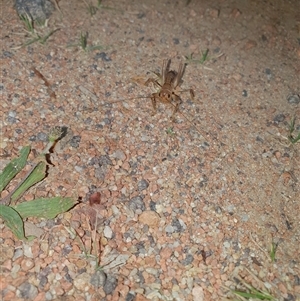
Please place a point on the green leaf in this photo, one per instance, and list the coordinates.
(45, 207)
(13, 220)
(294, 140)
(37, 174)
(95, 47)
(273, 251)
(14, 167)
(254, 294)
(46, 37)
(204, 56)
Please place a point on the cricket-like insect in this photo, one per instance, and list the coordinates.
(171, 80)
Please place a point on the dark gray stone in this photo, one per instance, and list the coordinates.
(130, 297)
(66, 250)
(141, 277)
(8, 54)
(102, 160)
(103, 56)
(137, 203)
(42, 136)
(142, 185)
(176, 225)
(27, 291)
(152, 205)
(175, 41)
(37, 10)
(32, 138)
(100, 164)
(74, 142)
(279, 118)
(294, 99)
(244, 93)
(98, 279)
(43, 281)
(188, 259)
(110, 284)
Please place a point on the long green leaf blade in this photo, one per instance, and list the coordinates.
(13, 220)
(14, 167)
(256, 294)
(45, 207)
(38, 174)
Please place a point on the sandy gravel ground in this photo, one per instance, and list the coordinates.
(189, 209)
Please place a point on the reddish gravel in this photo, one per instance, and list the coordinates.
(187, 207)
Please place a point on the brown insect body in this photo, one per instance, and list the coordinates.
(170, 81)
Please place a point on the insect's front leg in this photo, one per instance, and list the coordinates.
(154, 102)
(192, 93)
(153, 81)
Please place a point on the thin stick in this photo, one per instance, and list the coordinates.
(47, 84)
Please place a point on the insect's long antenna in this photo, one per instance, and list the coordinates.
(125, 99)
(191, 123)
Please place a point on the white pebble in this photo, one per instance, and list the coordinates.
(107, 232)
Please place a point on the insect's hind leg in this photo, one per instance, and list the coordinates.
(177, 100)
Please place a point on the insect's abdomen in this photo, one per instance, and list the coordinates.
(171, 75)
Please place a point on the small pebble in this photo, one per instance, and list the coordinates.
(110, 284)
(150, 218)
(103, 56)
(152, 271)
(27, 251)
(130, 297)
(32, 138)
(8, 54)
(279, 118)
(294, 99)
(245, 93)
(43, 281)
(42, 136)
(226, 244)
(136, 203)
(98, 279)
(107, 232)
(48, 296)
(269, 73)
(115, 210)
(119, 154)
(230, 209)
(188, 259)
(198, 294)
(82, 281)
(27, 264)
(12, 117)
(79, 169)
(15, 269)
(74, 142)
(27, 291)
(169, 229)
(18, 253)
(175, 41)
(177, 225)
(244, 217)
(18, 131)
(12, 114)
(38, 11)
(142, 185)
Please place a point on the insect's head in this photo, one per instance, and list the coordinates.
(165, 95)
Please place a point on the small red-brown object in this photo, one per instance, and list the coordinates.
(95, 198)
